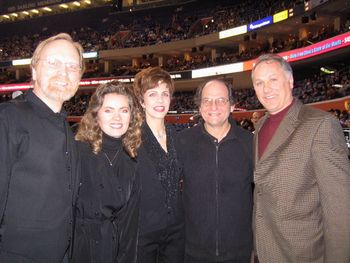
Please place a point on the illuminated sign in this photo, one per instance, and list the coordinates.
(90, 54)
(322, 47)
(318, 48)
(219, 70)
(20, 62)
(260, 23)
(280, 16)
(26, 61)
(233, 32)
(13, 87)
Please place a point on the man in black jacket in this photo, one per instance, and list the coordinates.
(38, 159)
(217, 163)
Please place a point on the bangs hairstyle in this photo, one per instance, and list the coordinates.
(89, 131)
(199, 91)
(60, 36)
(150, 78)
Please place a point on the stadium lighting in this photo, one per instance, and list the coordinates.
(327, 70)
(6, 16)
(64, 6)
(48, 9)
(76, 3)
(25, 13)
(35, 11)
(14, 14)
(87, 2)
(21, 62)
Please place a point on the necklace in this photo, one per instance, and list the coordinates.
(109, 160)
(160, 136)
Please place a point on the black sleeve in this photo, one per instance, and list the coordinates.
(128, 226)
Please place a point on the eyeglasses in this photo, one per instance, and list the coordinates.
(55, 63)
(207, 102)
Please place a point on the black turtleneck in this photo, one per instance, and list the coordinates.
(111, 145)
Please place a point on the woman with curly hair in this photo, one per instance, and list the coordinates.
(161, 238)
(109, 136)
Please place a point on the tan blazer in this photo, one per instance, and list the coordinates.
(302, 191)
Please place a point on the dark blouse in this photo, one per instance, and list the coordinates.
(160, 176)
(108, 205)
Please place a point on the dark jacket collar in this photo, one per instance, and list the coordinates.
(41, 108)
(231, 133)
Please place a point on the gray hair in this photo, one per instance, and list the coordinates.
(276, 58)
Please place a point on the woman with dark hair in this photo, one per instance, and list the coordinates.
(109, 135)
(161, 237)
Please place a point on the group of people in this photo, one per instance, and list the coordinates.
(130, 189)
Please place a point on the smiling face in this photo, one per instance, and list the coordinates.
(55, 75)
(273, 86)
(215, 107)
(156, 101)
(114, 115)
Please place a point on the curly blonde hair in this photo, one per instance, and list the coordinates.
(89, 131)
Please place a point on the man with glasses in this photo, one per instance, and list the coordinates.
(216, 156)
(38, 159)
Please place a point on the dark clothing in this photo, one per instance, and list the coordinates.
(165, 245)
(108, 205)
(38, 181)
(160, 208)
(190, 259)
(217, 193)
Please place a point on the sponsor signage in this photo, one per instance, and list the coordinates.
(322, 47)
(15, 6)
(260, 23)
(219, 70)
(233, 32)
(280, 16)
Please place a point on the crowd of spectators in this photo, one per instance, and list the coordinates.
(316, 88)
(184, 22)
(116, 34)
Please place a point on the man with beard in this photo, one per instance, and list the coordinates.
(38, 159)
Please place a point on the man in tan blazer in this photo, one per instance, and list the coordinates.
(302, 175)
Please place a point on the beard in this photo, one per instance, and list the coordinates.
(60, 93)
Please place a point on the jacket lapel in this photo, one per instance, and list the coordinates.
(285, 129)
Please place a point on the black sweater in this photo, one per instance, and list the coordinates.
(217, 193)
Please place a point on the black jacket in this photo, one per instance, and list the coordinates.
(161, 204)
(107, 207)
(217, 193)
(38, 175)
